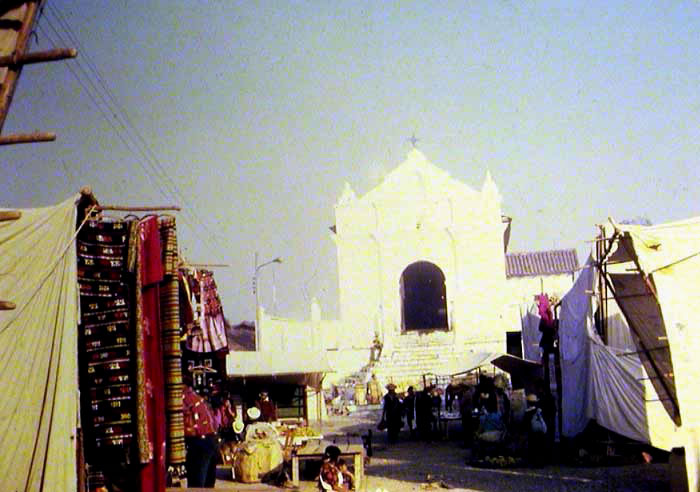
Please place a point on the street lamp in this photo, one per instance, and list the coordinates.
(256, 291)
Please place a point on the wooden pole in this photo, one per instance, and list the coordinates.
(20, 138)
(207, 265)
(37, 57)
(10, 215)
(123, 208)
(7, 305)
(7, 86)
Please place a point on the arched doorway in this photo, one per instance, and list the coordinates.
(423, 299)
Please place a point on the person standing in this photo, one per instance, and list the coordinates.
(451, 395)
(537, 447)
(391, 413)
(409, 408)
(373, 390)
(201, 440)
(268, 410)
(466, 410)
(435, 410)
(424, 414)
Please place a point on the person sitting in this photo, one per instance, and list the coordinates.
(491, 433)
(348, 477)
(491, 425)
(330, 477)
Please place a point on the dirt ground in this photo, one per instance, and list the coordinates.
(412, 465)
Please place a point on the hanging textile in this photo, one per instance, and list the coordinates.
(149, 361)
(38, 351)
(131, 372)
(106, 348)
(209, 334)
(202, 312)
(172, 354)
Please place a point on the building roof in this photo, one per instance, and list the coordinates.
(536, 263)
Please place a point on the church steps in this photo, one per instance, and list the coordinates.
(408, 362)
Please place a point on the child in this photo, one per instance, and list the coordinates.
(348, 478)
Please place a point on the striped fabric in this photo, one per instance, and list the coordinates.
(105, 341)
(172, 355)
(144, 450)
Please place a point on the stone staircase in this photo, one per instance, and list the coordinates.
(405, 364)
(410, 357)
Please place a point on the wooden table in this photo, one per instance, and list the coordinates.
(444, 424)
(313, 450)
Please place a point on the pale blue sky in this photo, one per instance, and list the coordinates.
(260, 111)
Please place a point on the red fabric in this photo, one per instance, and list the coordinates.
(544, 309)
(153, 474)
(150, 256)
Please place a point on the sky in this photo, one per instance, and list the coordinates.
(251, 116)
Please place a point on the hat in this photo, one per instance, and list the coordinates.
(391, 386)
(532, 398)
(253, 413)
(238, 426)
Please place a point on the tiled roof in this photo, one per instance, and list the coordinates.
(534, 263)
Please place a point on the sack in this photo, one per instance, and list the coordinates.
(382, 425)
(537, 424)
(491, 436)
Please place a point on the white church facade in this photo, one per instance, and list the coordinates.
(422, 268)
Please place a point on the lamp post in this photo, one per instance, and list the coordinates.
(256, 291)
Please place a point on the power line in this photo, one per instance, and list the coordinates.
(123, 126)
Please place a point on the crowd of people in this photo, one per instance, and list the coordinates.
(489, 423)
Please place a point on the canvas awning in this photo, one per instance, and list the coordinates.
(472, 361)
(303, 367)
(515, 365)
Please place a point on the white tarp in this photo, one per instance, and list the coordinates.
(601, 382)
(38, 350)
(308, 366)
(530, 322)
(471, 361)
(669, 254)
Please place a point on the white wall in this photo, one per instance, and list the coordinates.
(419, 213)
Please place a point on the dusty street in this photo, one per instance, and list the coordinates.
(410, 465)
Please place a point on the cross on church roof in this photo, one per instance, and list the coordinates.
(413, 140)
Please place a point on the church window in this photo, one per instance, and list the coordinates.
(423, 298)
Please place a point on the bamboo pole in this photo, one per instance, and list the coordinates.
(38, 57)
(20, 138)
(7, 305)
(154, 208)
(7, 86)
(10, 215)
(206, 265)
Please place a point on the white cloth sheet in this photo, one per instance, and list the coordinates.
(38, 350)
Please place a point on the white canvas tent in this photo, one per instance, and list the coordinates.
(605, 382)
(38, 350)
(654, 275)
